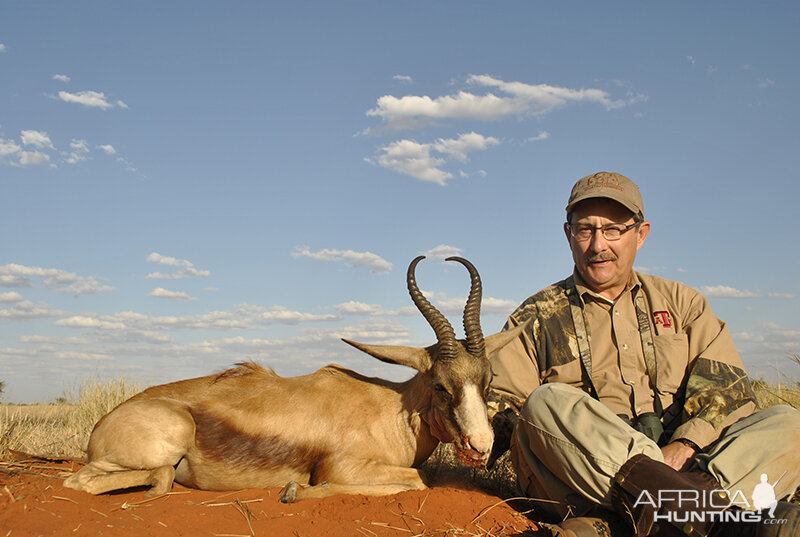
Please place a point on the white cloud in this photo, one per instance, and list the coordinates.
(723, 291)
(187, 268)
(519, 100)
(13, 275)
(766, 82)
(372, 310)
(349, 257)
(782, 296)
(281, 315)
(403, 78)
(10, 298)
(413, 158)
(544, 135)
(691, 59)
(33, 158)
(2, 47)
(27, 310)
(90, 99)
(455, 305)
(79, 151)
(460, 147)
(443, 251)
(36, 138)
(160, 292)
(61, 78)
(8, 147)
(108, 149)
(34, 338)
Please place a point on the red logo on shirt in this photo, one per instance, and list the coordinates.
(663, 318)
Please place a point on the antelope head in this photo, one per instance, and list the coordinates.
(458, 371)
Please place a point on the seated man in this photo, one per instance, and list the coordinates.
(633, 390)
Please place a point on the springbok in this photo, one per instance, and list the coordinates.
(334, 431)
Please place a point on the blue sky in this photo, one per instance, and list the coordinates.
(186, 185)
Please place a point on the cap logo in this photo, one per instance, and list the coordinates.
(603, 180)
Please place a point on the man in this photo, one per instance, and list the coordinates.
(632, 386)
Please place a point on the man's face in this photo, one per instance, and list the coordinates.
(605, 266)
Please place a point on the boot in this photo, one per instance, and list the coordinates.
(606, 525)
(654, 499)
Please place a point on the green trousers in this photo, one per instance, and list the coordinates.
(568, 446)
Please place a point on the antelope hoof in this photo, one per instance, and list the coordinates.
(288, 493)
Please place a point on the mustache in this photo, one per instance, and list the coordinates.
(602, 256)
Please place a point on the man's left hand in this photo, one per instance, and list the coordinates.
(678, 455)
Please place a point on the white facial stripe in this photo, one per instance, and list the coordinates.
(472, 420)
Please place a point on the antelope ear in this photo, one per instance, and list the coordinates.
(413, 357)
(499, 340)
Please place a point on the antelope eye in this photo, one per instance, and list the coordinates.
(440, 389)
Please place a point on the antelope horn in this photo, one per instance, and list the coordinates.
(441, 327)
(472, 312)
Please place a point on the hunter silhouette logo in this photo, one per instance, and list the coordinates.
(764, 495)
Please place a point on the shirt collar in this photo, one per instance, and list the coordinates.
(633, 286)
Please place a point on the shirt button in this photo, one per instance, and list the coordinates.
(624, 346)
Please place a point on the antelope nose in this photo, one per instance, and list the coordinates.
(482, 443)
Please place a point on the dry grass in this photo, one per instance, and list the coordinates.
(61, 430)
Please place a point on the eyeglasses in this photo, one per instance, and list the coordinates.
(611, 232)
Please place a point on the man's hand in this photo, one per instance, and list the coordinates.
(434, 421)
(678, 455)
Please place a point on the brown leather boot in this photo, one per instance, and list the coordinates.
(606, 525)
(654, 499)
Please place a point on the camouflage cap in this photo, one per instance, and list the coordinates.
(608, 185)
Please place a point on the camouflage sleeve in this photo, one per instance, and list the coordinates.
(718, 391)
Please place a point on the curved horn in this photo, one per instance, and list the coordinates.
(472, 312)
(441, 327)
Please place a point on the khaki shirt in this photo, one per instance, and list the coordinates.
(700, 378)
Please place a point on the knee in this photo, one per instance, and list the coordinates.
(549, 399)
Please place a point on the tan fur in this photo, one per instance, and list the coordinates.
(334, 431)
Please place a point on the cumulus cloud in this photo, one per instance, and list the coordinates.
(516, 99)
(13, 275)
(2, 47)
(443, 251)
(186, 268)
(403, 78)
(415, 159)
(160, 292)
(61, 78)
(134, 326)
(723, 291)
(36, 138)
(33, 158)
(349, 257)
(10, 298)
(8, 147)
(26, 310)
(108, 149)
(372, 310)
(90, 99)
(455, 305)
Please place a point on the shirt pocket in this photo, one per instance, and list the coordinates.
(672, 357)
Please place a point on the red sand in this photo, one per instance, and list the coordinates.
(33, 502)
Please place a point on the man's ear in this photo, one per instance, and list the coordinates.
(644, 230)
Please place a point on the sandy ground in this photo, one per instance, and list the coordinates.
(33, 502)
